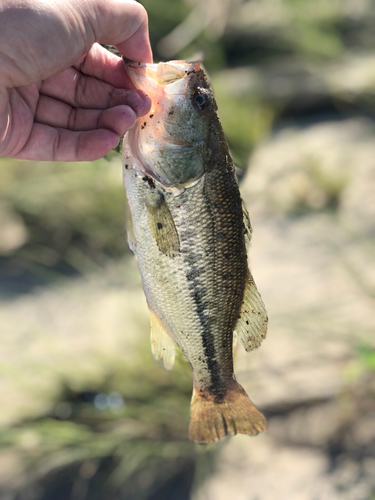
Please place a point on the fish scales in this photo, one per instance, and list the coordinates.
(208, 275)
(190, 240)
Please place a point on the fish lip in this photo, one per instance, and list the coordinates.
(168, 80)
(160, 74)
(136, 71)
(126, 61)
(134, 64)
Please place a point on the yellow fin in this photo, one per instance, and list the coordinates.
(247, 226)
(162, 346)
(211, 419)
(251, 327)
(163, 228)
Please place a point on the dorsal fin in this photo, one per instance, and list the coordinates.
(162, 346)
(251, 327)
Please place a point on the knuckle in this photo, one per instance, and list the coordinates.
(73, 118)
(56, 146)
(80, 89)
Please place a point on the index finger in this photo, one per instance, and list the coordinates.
(105, 66)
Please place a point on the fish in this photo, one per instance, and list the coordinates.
(190, 231)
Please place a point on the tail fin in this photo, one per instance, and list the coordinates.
(234, 414)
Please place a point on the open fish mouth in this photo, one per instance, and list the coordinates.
(173, 76)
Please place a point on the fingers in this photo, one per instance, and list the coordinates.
(50, 144)
(40, 39)
(83, 91)
(45, 135)
(59, 114)
(104, 65)
(39, 45)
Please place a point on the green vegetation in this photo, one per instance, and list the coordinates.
(127, 435)
(367, 357)
(69, 217)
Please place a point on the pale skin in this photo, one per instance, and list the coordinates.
(63, 97)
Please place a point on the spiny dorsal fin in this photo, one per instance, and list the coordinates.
(247, 226)
(163, 228)
(251, 327)
(162, 346)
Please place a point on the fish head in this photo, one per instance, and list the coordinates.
(172, 142)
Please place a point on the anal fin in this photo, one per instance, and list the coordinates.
(251, 327)
(162, 346)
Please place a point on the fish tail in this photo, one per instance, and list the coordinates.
(212, 418)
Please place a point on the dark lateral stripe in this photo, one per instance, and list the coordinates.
(198, 294)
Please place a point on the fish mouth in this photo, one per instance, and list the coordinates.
(169, 86)
(173, 76)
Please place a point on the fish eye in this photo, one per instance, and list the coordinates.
(201, 100)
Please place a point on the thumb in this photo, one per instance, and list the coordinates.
(123, 23)
(40, 38)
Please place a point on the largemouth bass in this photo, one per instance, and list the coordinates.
(190, 232)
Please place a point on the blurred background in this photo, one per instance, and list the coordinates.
(85, 411)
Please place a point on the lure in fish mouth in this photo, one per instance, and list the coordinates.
(190, 232)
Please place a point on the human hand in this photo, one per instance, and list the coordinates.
(63, 97)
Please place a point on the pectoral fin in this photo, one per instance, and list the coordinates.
(162, 346)
(251, 327)
(129, 228)
(163, 228)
